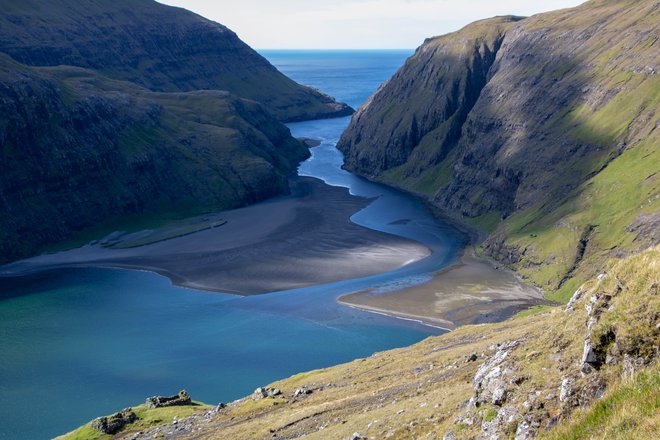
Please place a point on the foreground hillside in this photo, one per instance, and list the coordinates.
(159, 47)
(585, 370)
(541, 131)
(79, 150)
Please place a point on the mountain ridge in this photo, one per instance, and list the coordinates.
(129, 114)
(566, 109)
(160, 47)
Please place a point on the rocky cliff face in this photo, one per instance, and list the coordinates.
(78, 149)
(541, 131)
(159, 47)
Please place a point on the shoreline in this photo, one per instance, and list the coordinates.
(470, 290)
(288, 242)
(427, 302)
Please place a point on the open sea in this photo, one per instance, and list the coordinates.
(79, 343)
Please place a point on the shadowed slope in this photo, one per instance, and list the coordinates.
(157, 46)
(78, 149)
(557, 157)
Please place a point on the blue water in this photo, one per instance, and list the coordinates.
(78, 343)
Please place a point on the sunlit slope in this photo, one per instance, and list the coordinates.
(540, 131)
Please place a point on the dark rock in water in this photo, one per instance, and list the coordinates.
(112, 424)
(309, 142)
(180, 399)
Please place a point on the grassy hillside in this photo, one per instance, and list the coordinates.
(80, 150)
(552, 149)
(160, 47)
(524, 377)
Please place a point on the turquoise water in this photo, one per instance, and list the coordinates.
(78, 343)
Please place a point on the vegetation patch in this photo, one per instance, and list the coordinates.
(147, 418)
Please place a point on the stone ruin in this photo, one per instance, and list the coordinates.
(181, 399)
(112, 424)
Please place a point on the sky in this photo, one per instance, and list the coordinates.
(354, 24)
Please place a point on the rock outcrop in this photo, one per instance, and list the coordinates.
(114, 423)
(159, 47)
(536, 130)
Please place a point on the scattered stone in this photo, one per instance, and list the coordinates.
(525, 431)
(499, 396)
(301, 391)
(115, 422)
(566, 389)
(506, 416)
(490, 381)
(589, 355)
(577, 296)
(262, 392)
(181, 399)
(449, 436)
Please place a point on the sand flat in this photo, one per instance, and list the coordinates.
(303, 239)
(472, 291)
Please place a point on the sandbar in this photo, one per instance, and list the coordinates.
(294, 241)
(472, 291)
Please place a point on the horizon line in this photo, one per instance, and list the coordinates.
(335, 49)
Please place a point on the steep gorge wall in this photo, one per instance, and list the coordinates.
(78, 149)
(414, 120)
(556, 159)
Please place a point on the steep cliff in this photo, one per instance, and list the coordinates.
(541, 131)
(159, 47)
(78, 149)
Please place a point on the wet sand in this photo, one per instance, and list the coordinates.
(472, 291)
(303, 239)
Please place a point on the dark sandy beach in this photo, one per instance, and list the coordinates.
(469, 292)
(303, 239)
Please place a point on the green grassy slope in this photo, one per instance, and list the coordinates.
(80, 150)
(157, 46)
(522, 378)
(557, 159)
